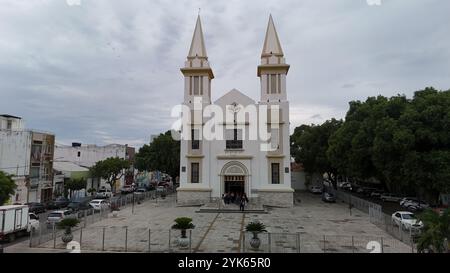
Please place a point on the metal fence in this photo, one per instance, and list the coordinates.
(380, 219)
(124, 239)
(356, 202)
(309, 243)
(49, 231)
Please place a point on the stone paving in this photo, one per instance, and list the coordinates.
(305, 224)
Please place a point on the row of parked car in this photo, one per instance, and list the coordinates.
(77, 209)
(411, 203)
(327, 197)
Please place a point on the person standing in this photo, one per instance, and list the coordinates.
(243, 202)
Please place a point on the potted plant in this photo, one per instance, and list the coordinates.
(68, 224)
(183, 224)
(255, 228)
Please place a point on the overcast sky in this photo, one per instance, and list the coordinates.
(107, 71)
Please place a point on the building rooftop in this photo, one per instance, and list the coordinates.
(10, 116)
(65, 166)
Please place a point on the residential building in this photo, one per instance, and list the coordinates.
(88, 155)
(28, 156)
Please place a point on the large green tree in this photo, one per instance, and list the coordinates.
(404, 143)
(162, 154)
(75, 184)
(7, 187)
(309, 145)
(110, 169)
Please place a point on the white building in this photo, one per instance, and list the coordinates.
(236, 163)
(88, 155)
(28, 156)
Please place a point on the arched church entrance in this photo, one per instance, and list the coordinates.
(234, 178)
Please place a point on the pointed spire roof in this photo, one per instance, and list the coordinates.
(271, 42)
(198, 48)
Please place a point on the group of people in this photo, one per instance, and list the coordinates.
(235, 198)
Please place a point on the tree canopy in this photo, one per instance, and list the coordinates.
(7, 187)
(110, 169)
(309, 145)
(403, 143)
(162, 154)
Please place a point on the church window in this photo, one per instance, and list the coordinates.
(234, 139)
(196, 85)
(275, 173)
(273, 84)
(279, 83)
(195, 172)
(275, 138)
(195, 139)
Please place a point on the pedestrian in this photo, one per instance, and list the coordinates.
(244, 196)
(242, 204)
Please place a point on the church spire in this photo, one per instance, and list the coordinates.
(198, 48)
(272, 44)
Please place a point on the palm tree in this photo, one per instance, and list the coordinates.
(436, 231)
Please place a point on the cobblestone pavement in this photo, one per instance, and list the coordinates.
(310, 218)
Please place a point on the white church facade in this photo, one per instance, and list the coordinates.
(236, 161)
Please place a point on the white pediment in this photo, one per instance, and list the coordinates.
(234, 96)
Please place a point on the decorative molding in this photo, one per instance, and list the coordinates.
(289, 190)
(197, 71)
(194, 189)
(273, 68)
(194, 156)
(234, 157)
(275, 156)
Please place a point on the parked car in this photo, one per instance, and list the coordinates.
(99, 204)
(50, 205)
(328, 197)
(346, 186)
(62, 202)
(36, 208)
(142, 189)
(415, 205)
(78, 205)
(402, 202)
(315, 189)
(58, 203)
(127, 189)
(57, 216)
(390, 197)
(376, 193)
(103, 193)
(407, 220)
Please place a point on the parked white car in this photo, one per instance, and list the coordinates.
(315, 189)
(407, 220)
(57, 216)
(99, 204)
(104, 193)
(390, 197)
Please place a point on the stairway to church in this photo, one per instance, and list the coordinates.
(218, 206)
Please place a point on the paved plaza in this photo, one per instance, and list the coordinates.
(305, 224)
